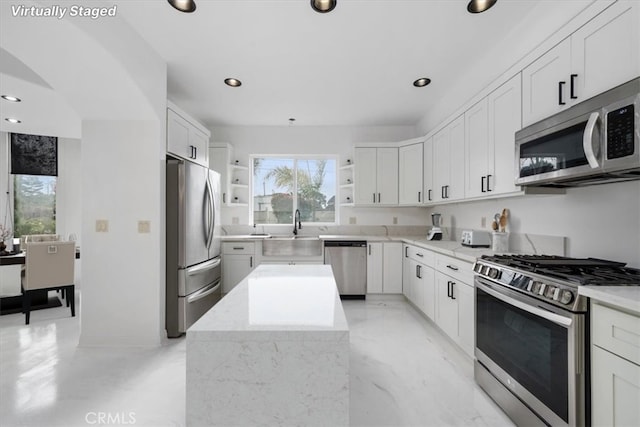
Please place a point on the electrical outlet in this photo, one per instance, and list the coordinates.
(395, 220)
(352, 220)
(483, 222)
(102, 226)
(235, 220)
(144, 227)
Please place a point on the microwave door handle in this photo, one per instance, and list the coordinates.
(587, 140)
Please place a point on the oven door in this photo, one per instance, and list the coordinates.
(535, 350)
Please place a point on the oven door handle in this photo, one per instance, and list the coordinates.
(552, 317)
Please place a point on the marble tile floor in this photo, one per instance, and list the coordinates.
(404, 372)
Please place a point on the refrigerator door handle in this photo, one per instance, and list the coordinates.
(210, 214)
(204, 292)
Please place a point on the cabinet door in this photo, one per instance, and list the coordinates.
(407, 273)
(542, 91)
(178, 135)
(466, 316)
(365, 176)
(446, 306)
(615, 390)
(429, 292)
(200, 143)
(234, 269)
(606, 51)
(477, 151)
(505, 107)
(410, 170)
(219, 162)
(417, 285)
(427, 171)
(374, 268)
(387, 176)
(392, 268)
(455, 189)
(441, 165)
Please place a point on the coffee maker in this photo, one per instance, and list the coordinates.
(436, 232)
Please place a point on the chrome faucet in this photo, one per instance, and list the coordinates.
(296, 218)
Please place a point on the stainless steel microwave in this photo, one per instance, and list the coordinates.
(594, 142)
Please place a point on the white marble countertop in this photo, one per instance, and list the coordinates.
(624, 297)
(289, 302)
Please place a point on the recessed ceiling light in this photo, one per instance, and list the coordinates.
(187, 6)
(12, 120)
(421, 82)
(479, 6)
(10, 98)
(233, 82)
(323, 6)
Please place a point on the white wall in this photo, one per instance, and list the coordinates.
(317, 140)
(601, 221)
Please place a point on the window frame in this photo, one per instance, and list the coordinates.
(295, 158)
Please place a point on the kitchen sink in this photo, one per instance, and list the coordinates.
(292, 246)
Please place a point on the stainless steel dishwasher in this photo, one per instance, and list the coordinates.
(348, 259)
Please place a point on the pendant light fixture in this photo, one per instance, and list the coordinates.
(186, 6)
(479, 6)
(323, 6)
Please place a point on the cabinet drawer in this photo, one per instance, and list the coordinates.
(421, 255)
(238, 248)
(458, 269)
(616, 331)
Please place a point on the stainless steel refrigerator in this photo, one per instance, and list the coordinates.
(193, 270)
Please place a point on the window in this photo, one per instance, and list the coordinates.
(34, 204)
(283, 184)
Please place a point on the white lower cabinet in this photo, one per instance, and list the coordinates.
(238, 260)
(615, 367)
(384, 268)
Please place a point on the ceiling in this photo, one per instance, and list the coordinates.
(352, 67)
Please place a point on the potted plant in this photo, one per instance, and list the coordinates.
(5, 233)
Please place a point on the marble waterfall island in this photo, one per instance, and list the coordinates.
(273, 351)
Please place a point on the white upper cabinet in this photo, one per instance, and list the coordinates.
(606, 51)
(479, 154)
(376, 176)
(427, 171)
(186, 138)
(410, 170)
(490, 127)
(448, 162)
(599, 56)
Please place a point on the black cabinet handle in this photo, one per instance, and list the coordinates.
(251, 261)
(406, 251)
(482, 184)
(378, 197)
(442, 192)
(224, 197)
(429, 194)
(195, 152)
(560, 87)
(374, 197)
(452, 295)
(448, 288)
(573, 86)
(238, 248)
(419, 196)
(452, 267)
(369, 249)
(419, 271)
(419, 254)
(489, 185)
(446, 191)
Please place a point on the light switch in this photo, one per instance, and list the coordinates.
(144, 227)
(102, 225)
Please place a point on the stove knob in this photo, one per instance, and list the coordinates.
(542, 287)
(566, 297)
(494, 273)
(550, 291)
(556, 294)
(535, 288)
(477, 268)
(530, 286)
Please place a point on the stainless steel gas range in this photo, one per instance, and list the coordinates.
(532, 333)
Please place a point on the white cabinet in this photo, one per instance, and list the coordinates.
(186, 138)
(419, 279)
(238, 260)
(615, 367)
(602, 54)
(234, 176)
(384, 268)
(410, 171)
(376, 176)
(490, 128)
(427, 171)
(448, 162)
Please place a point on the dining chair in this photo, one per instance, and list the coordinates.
(48, 266)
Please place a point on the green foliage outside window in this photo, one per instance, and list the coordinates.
(34, 205)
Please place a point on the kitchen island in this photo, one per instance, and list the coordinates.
(273, 351)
